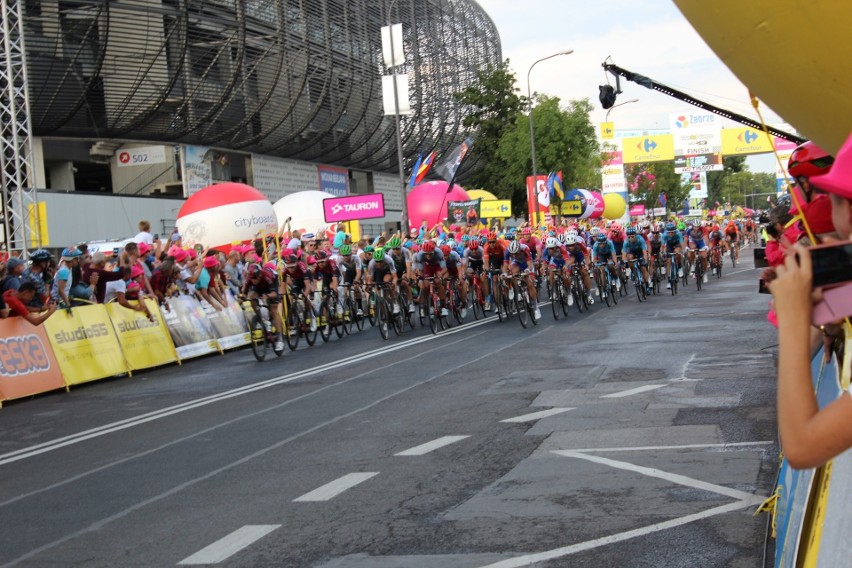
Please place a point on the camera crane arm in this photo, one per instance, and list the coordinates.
(608, 94)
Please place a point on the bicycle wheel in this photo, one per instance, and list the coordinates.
(521, 306)
(554, 297)
(395, 319)
(354, 305)
(348, 315)
(699, 273)
(309, 325)
(673, 280)
(625, 282)
(686, 268)
(473, 298)
(371, 307)
(613, 292)
(324, 323)
(434, 315)
(405, 306)
(382, 321)
(457, 305)
(258, 338)
(719, 266)
(292, 328)
(563, 298)
(734, 258)
(531, 306)
(637, 283)
(337, 321)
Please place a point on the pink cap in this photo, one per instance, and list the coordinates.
(838, 180)
(136, 271)
(179, 254)
(210, 261)
(144, 248)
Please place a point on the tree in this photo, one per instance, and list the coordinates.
(494, 104)
(716, 180)
(564, 140)
(737, 186)
(647, 181)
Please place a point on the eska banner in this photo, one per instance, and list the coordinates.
(85, 344)
(27, 364)
(144, 343)
(642, 149)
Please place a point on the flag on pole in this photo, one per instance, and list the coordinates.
(662, 200)
(424, 167)
(554, 184)
(412, 180)
(450, 166)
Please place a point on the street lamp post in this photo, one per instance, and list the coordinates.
(404, 224)
(618, 105)
(529, 98)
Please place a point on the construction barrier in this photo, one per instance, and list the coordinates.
(144, 343)
(85, 344)
(27, 363)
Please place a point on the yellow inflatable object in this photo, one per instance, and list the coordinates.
(793, 55)
(614, 206)
(481, 194)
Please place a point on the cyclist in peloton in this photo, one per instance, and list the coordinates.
(697, 243)
(531, 241)
(517, 259)
(326, 271)
(603, 251)
(732, 236)
(262, 282)
(617, 236)
(673, 240)
(382, 269)
(577, 255)
(635, 248)
(350, 269)
(493, 254)
(401, 258)
(655, 241)
(556, 256)
(430, 263)
(453, 260)
(473, 261)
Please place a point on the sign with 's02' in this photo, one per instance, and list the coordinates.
(141, 156)
(354, 207)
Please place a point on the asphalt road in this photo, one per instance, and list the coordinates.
(641, 435)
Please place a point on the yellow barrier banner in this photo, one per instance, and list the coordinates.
(495, 209)
(144, 343)
(744, 141)
(27, 364)
(573, 208)
(85, 344)
(641, 149)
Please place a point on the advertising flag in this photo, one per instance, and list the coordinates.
(424, 167)
(412, 181)
(448, 168)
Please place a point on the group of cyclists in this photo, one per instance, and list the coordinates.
(483, 270)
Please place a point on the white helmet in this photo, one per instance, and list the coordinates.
(551, 242)
(645, 224)
(594, 231)
(561, 237)
(514, 247)
(571, 239)
(571, 233)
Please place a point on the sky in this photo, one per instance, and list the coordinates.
(649, 37)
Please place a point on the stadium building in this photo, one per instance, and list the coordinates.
(163, 97)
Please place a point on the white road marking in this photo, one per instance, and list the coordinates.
(532, 559)
(536, 415)
(681, 447)
(660, 474)
(431, 446)
(630, 392)
(225, 548)
(78, 437)
(336, 487)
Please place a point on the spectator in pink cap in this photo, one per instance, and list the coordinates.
(207, 284)
(117, 291)
(810, 436)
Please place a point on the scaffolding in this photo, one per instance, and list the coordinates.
(19, 208)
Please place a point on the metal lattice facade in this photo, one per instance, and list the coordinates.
(292, 78)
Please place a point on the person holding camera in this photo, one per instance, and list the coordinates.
(810, 436)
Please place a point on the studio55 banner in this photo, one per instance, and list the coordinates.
(145, 343)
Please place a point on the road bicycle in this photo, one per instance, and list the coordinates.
(716, 261)
(657, 273)
(699, 270)
(433, 308)
(637, 279)
(557, 293)
(578, 288)
(330, 315)
(672, 274)
(301, 320)
(523, 302)
(455, 304)
(405, 305)
(475, 296)
(262, 330)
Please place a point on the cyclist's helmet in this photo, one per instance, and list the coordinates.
(379, 255)
(645, 224)
(671, 227)
(345, 250)
(491, 236)
(572, 240)
(572, 233)
(446, 249)
(526, 231)
(394, 243)
(428, 246)
(510, 237)
(369, 249)
(600, 237)
(465, 239)
(809, 160)
(40, 255)
(631, 232)
(615, 227)
(594, 231)
(560, 238)
(71, 252)
(681, 226)
(321, 256)
(253, 270)
(514, 247)
(473, 244)
(551, 242)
